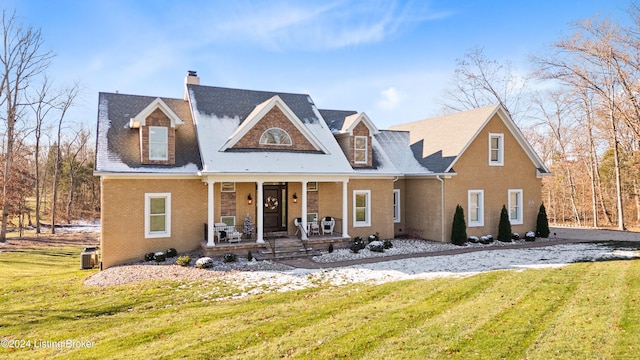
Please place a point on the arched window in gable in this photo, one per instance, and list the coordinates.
(275, 136)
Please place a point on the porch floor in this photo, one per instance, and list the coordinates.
(278, 246)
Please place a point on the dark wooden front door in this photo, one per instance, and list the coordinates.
(275, 209)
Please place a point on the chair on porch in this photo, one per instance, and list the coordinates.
(233, 235)
(314, 228)
(328, 223)
(297, 222)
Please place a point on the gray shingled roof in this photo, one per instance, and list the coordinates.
(335, 118)
(118, 146)
(225, 102)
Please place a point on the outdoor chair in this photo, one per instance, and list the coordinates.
(328, 224)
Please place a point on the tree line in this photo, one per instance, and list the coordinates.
(47, 163)
(579, 106)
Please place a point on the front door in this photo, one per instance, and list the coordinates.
(275, 207)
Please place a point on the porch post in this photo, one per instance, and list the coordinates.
(260, 216)
(210, 213)
(345, 210)
(304, 211)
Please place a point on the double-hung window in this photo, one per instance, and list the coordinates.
(476, 207)
(515, 206)
(157, 215)
(361, 208)
(158, 143)
(360, 149)
(496, 149)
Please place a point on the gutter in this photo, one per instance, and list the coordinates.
(441, 207)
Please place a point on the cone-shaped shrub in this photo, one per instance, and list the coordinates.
(542, 224)
(459, 227)
(504, 228)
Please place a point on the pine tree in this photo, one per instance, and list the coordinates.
(504, 228)
(542, 224)
(459, 227)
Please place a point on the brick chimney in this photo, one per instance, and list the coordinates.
(191, 78)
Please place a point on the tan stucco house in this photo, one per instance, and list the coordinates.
(269, 166)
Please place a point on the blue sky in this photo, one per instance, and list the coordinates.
(390, 59)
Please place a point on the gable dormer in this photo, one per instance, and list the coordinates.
(355, 139)
(272, 125)
(157, 124)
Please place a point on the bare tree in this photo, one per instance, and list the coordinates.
(41, 105)
(73, 149)
(479, 81)
(67, 100)
(21, 59)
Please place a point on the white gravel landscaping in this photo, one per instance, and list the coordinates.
(257, 277)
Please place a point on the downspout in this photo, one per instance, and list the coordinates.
(441, 207)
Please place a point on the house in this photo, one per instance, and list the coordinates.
(483, 162)
(231, 170)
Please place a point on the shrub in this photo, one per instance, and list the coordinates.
(377, 246)
(459, 227)
(359, 242)
(230, 257)
(542, 223)
(387, 244)
(330, 248)
(530, 236)
(373, 237)
(515, 236)
(171, 253)
(184, 260)
(249, 256)
(204, 263)
(149, 256)
(504, 227)
(159, 256)
(355, 248)
(473, 239)
(485, 240)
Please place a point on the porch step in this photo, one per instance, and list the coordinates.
(286, 248)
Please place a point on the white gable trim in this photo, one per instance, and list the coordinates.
(517, 134)
(260, 111)
(140, 119)
(351, 121)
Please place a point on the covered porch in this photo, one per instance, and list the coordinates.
(263, 210)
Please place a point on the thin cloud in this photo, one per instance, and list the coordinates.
(287, 26)
(390, 99)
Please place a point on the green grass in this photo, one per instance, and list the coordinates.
(584, 310)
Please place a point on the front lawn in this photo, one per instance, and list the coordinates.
(584, 310)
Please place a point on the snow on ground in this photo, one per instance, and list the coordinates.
(265, 276)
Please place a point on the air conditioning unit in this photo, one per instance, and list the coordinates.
(88, 258)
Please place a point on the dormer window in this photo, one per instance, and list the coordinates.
(158, 143)
(275, 136)
(360, 149)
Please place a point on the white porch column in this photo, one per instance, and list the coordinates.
(304, 235)
(345, 210)
(260, 215)
(210, 213)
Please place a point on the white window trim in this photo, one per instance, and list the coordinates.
(366, 149)
(165, 143)
(480, 221)
(313, 187)
(519, 220)
(231, 189)
(396, 205)
(500, 161)
(367, 221)
(147, 215)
